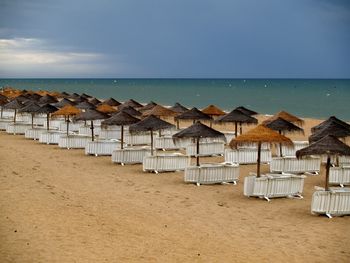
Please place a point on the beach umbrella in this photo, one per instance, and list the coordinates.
(246, 111)
(178, 108)
(236, 116)
(35, 97)
(259, 135)
(328, 121)
(63, 102)
(283, 126)
(67, 111)
(22, 98)
(31, 108)
(65, 95)
(329, 146)
(213, 111)
(193, 114)
(130, 110)
(86, 96)
(198, 131)
(150, 123)
(160, 111)
(148, 106)
(75, 96)
(94, 101)
(3, 97)
(105, 108)
(3, 101)
(91, 115)
(132, 103)
(85, 105)
(331, 128)
(47, 99)
(47, 109)
(112, 102)
(79, 99)
(14, 105)
(287, 116)
(121, 119)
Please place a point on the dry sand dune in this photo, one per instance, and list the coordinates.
(61, 206)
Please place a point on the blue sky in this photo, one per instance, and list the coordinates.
(181, 39)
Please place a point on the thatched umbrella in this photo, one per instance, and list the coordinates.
(74, 96)
(148, 106)
(179, 108)
(63, 103)
(259, 135)
(287, 116)
(105, 108)
(328, 145)
(130, 110)
(86, 96)
(31, 108)
(47, 99)
(160, 111)
(246, 111)
(331, 128)
(112, 102)
(3, 97)
(91, 115)
(198, 131)
(132, 103)
(85, 105)
(193, 114)
(14, 105)
(47, 109)
(65, 95)
(22, 98)
(213, 111)
(79, 99)
(150, 123)
(283, 126)
(3, 101)
(326, 122)
(94, 101)
(121, 119)
(67, 111)
(35, 97)
(236, 116)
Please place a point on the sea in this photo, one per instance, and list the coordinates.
(314, 98)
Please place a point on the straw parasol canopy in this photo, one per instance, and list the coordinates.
(3, 97)
(65, 95)
(326, 122)
(67, 111)
(112, 102)
(328, 145)
(132, 103)
(287, 116)
(47, 99)
(91, 115)
(121, 119)
(332, 128)
(47, 109)
(198, 131)
(237, 116)
(22, 98)
(79, 99)
(86, 96)
(148, 106)
(259, 135)
(150, 123)
(213, 110)
(105, 108)
(178, 108)
(35, 97)
(63, 103)
(193, 114)
(160, 111)
(85, 105)
(14, 104)
(94, 101)
(31, 108)
(130, 110)
(246, 111)
(3, 101)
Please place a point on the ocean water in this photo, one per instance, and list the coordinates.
(317, 98)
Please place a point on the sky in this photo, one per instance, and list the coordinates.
(175, 39)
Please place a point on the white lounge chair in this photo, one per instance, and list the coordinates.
(130, 155)
(166, 162)
(165, 143)
(34, 133)
(246, 155)
(290, 151)
(73, 141)
(339, 175)
(293, 165)
(50, 137)
(101, 147)
(212, 173)
(206, 149)
(86, 130)
(274, 185)
(18, 128)
(335, 202)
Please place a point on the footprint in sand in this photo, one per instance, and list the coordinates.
(15, 173)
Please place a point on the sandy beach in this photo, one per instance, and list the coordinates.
(59, 205)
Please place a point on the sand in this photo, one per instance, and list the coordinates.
(59, 205)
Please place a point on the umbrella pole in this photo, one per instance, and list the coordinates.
(14, 117)
(211, 124)
(152, 142)
(328, 164)
(92, 130)
(197, 151)
(32, 120)
(2, 109)
(258, 161)
(160, 133)
(67, 125)
(177, 124)
(280, 132)
(235, 129)
(48, 121)
(122, 138)
(240, 128)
